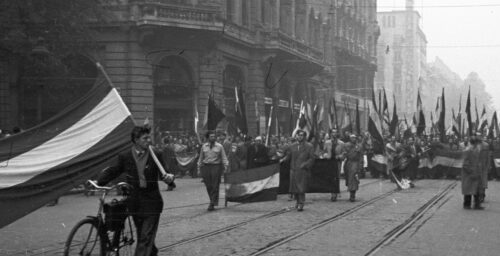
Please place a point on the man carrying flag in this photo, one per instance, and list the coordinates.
(145, 203)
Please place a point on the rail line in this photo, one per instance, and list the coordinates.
(417, 215)
(239, 224)
(42, 251)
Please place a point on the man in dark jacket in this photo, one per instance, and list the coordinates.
(145, 202)
(301, 155)
(257, 154)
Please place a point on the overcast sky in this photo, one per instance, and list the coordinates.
(465, 34)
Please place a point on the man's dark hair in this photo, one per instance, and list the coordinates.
(208, 134)
(303, 132)
(138, 131)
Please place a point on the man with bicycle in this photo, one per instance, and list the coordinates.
(144, 203)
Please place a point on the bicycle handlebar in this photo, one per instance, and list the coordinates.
(94, 184)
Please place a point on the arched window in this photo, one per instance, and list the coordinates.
(173, 95)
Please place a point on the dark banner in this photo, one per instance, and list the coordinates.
(324, 177)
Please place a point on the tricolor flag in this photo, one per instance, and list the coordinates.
(395, 119)
(469, 115)
(253, 185)
(44, 162)
(332, 114)
(483, 121)
(214, 114)
(494, 130)
(240, 115)
(441, 124)
(420, 116)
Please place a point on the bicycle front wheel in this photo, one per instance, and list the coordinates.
(123, 240)
(84, 239)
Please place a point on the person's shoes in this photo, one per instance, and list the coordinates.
(352, 199)
(300, 207)
(211, 207)
(467, 207)
(170, 188)
(478, 207)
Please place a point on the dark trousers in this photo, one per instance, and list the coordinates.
(468, 200)
(211, 174)
(147, 226)
(301, 198)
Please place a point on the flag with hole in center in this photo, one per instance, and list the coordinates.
(44, 162)
(253, 185)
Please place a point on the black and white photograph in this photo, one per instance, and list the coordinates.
(249, 127)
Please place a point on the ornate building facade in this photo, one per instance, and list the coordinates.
(165, 56)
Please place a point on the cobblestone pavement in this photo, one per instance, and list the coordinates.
(186, 228)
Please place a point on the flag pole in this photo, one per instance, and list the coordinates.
(269, 126)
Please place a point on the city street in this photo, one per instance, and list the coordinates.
(425, 220)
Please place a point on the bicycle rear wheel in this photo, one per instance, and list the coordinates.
(84, 239)
(124, 241)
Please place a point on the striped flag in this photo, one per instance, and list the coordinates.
(469, 115)
(44, 162)
(253, 185)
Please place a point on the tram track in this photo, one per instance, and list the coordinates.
(243, 223)
(408, 223)
(387, 239)
(57, 248)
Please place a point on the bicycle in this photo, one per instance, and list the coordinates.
(102, 234)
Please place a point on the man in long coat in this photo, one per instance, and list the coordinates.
(472, 174)
(353, 155)
(301, 154)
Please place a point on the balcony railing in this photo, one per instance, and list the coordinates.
(278, 38)
(162, 13)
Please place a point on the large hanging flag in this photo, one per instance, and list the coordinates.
(395, 119)
(469, 116)
(476, 125)
(214, 115)
(441, 122)
(42, 163)
(420, 116)
(292, 119)
(240, 113)
(253, 185)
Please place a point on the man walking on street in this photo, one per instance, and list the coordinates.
(211, 163)
(472, 174)
(301, 154)
(352, 166)
(145, 203)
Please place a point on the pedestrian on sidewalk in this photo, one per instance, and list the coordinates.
(472, 180)
(211, 164)
(302, 157)
(144, 203)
